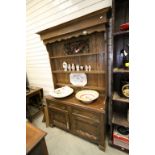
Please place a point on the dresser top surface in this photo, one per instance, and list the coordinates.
(96, 106)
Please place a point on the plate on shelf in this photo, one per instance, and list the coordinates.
(78, 79)
(62, 92)
(125, 90)
(87, 96)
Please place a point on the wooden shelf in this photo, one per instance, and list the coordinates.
(87, 72)
(76, 55)
(120, 33)
(116, 97)
(120, 70)
(119, 109)
(85, 87)
(120, 119)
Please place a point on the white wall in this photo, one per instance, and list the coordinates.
(42, 14)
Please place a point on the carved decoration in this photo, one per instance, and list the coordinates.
(90, 136)
(76, 46)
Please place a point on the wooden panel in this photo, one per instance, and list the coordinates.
(88, 114)
(119, 116)
(90, 20)
(120, 119)
(59, 117)
(96, 46)
(102, 131)
(78, 55)
(84, 127)
(93, 80)
(56, 105)
(90, 30)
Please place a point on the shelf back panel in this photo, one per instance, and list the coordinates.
(98, 62)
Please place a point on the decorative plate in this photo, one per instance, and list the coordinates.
(125, 90)
(62, 92)
(78, 79)
(87, 96)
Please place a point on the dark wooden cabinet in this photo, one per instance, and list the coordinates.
(119, 104)
(86, 121)
(88, 36)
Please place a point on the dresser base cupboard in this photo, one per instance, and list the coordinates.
(85, 121)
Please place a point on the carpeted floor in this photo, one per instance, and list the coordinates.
(60, 142)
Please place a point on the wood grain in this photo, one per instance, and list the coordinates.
(85, 120)
(33, 136)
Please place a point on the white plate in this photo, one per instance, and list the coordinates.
(62, 92)
(78, 79)
(87, 96)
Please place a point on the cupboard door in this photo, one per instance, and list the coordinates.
(85, 127)
(59, 118)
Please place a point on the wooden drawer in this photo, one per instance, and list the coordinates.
(56, 105)
(85, 127)
(85, 114)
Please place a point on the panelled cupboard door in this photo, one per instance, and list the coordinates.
(85, 127)
(59, 117)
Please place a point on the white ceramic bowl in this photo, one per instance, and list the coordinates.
(62, 92)
(87, 96)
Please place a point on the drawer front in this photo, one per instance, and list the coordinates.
(85, 127)
(59, 118)
(56, 105)
(86, 114)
